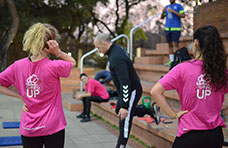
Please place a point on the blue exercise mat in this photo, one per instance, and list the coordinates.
(10, 124)
(12, 140)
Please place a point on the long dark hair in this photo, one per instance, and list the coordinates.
(213, 54)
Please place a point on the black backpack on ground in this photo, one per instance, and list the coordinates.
(180, 55)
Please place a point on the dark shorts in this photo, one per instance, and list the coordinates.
(172, 36)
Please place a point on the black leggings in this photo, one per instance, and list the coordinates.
(51, 141)
(87, 103)
(200, 139)
(125, 125)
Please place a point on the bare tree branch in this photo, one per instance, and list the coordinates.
(103, 23)
(81, 31)
(99, 28)
(135, 3)
(117, 13)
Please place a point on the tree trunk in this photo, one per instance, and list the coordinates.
(7, 39)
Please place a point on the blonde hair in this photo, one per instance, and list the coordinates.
(36, 37)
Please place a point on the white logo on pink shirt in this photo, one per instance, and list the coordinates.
(203, 87)
(33, 89)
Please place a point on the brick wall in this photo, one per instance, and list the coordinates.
(214, 13)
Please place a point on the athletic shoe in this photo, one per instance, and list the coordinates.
(156, 113)
(86, 119)
(81, 116)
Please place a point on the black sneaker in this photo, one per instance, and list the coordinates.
(86, 119)
(81, 116)
(155, 113)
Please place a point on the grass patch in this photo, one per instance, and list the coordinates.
(117, 128)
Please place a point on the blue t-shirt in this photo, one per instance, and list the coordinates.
(173, 22)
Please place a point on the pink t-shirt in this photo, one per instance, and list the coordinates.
(39, 85)
(96, 89)
(196, 95)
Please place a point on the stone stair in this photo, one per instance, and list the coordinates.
(150, 67)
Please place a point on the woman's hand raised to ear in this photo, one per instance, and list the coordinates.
(53, 48)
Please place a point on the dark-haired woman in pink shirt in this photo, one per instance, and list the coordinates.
(201, 84)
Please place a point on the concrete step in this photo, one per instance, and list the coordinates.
(70, 103)
(149, 60)
(156, 52)
(224, 35)
(152, 67)
(185, 42)
(150, 72)
(162, 46)
(161, 136)
(70, 82)
(185, 39)
(147, 86)
(73, 78)
(68, 88)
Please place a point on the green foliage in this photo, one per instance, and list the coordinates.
(67, 16)
(138, 34)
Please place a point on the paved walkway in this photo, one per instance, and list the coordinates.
(78, 135)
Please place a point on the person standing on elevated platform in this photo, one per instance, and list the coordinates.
(37, 80)
(201, 84)
(173, 13)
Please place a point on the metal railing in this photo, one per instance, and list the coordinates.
(95, 49)
(136, 27)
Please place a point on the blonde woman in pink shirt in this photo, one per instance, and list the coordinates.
(37, 80)
(201, 84)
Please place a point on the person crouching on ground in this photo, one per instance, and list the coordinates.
(95, 92)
